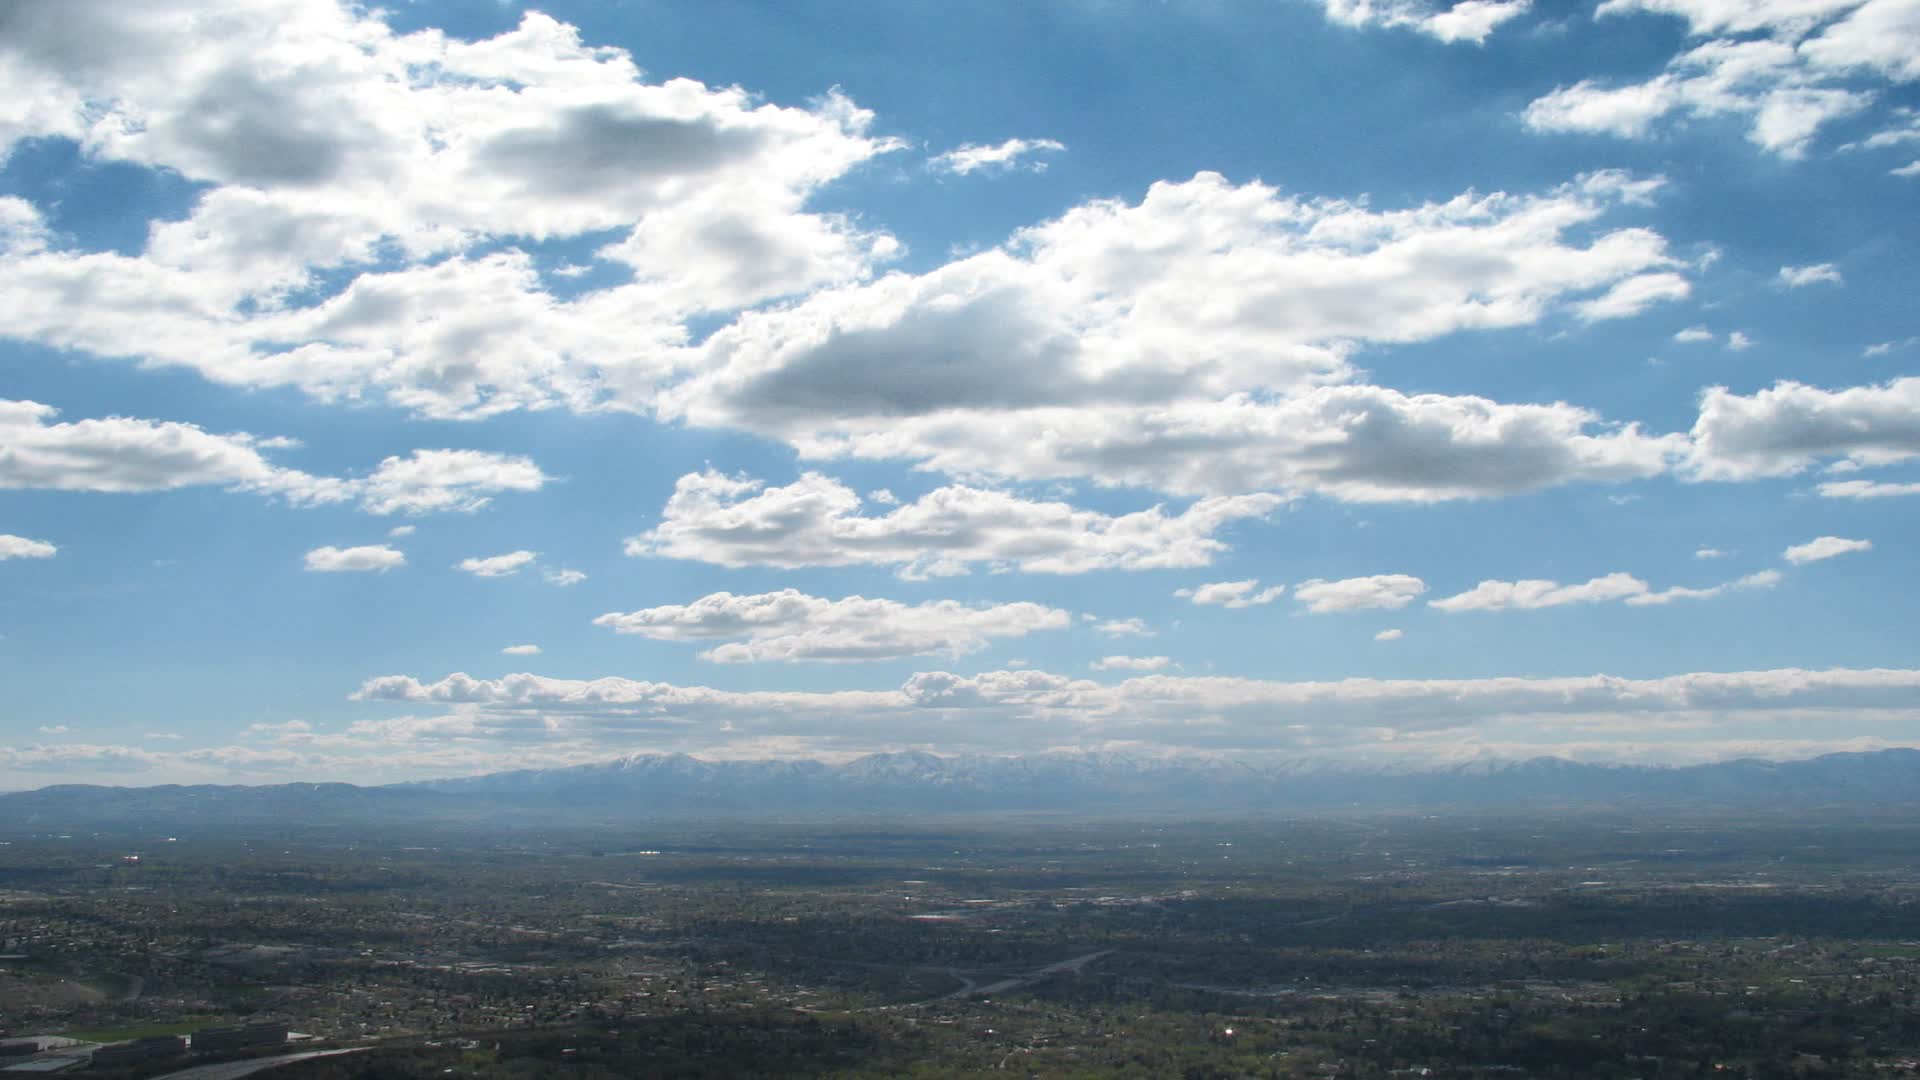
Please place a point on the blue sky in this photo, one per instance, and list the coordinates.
(450, 387)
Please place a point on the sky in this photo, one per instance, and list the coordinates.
(389, 393)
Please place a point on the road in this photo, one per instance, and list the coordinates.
(1018, 981)
(233, 1070)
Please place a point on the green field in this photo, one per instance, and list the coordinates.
(134, 1031)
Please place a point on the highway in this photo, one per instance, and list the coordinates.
(233, 1070)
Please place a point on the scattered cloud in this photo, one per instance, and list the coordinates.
(282, 729)
(1464, 20)
(1532, 594)
(1492, 595)
(1233, 594)
(1794, 277)
(1882, 348)
(1207, 345)
(120, 454)
(1804, 71)
(816, 521)
(1209, 364)
(1634, 295)
(375, 557)
(1005, 157)
(1131, 663)
(1359, 593)
(498, 565)
(1719, 17)
(1764, 579)
(332, 165)
(1790, 427)
(429, 481)
(19, 547)
(1824, 547)
(790, 625)
(1197, 343)
(1903, 128)
(1866, 489)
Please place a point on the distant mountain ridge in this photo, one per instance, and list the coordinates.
(914, 783)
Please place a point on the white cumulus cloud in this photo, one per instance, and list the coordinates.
(20, 547)
(125, 454)
(1867, 489)
(1790, 427)
(1824, 547)
(1359, 593)
(1198, 342)
(816, 521)
(374, 557)
(1002, 157)
(790, 625)
(1233, 594)
(497, 565)
(1534, 593)
(1635, 295)
(1783, 93)
(411, 166)
(1131, 663)
(1463, 20)
(440, 480)
(1794, 277)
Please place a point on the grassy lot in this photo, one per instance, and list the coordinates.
(135, 1031)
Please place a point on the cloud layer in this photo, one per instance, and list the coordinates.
(1027, 710)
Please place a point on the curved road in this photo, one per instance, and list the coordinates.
(971, 990)
(234, 1070)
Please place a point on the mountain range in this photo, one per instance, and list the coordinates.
(916, 784)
